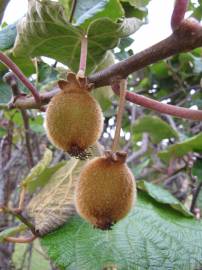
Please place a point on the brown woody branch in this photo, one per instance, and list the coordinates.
(188, 36)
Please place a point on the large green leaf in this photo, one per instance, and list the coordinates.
(156, 127)
(163, 196)
(87, 11)
(193, 144)
(153, 236)
(46, 32)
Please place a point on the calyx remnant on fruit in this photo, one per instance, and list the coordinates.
(74, 119)
(106, 190)
(75, 83)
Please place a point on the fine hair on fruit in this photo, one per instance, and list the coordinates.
(105, 192)
(74, 120)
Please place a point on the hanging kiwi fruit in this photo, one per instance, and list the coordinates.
(106, 189)
(74, 119)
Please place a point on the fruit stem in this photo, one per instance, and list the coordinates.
(83, 57)
(123, 85)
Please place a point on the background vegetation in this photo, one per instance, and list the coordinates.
(164, 230)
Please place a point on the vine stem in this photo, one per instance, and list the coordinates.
(20, 217)
(83, 57)
(123, 85)
(11, 65)
(160, 107)
(178, 13)
(21, 240)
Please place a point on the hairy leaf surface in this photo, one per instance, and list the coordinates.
(153, 236)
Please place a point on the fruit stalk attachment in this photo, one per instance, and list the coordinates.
(83, 57)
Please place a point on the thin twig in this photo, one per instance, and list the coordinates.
(29, 259)
(141, 151)
(195, 197)
(20, 217)
(22, 199)
(11, 80)
(123, 85)
(161, 107)
(72, 11)
(10, 64)
(20, 239)
(25, 118)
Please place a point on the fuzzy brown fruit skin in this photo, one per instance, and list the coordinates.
(74, 120)
(105, 192)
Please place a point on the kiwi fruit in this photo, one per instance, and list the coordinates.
(105, 191)
(74, 119)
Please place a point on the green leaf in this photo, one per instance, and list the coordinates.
(33, 179)
(163, 196)
(137, 3)
(138, 168)
(5, 93)
(7, 37)
(12, 231)
(197, 169)
(46, 73)
(44, 177)
(135, 8)
(193, 144)
(160, 70)
(156, 127)
(89, 10)
(23, 62)
(152, 236)
(36, 124)
(46, 32)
